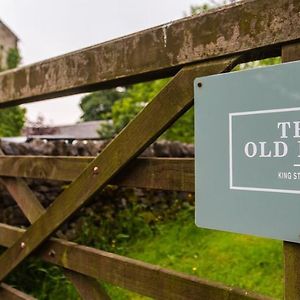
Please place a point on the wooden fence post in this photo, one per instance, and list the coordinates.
(291, 250)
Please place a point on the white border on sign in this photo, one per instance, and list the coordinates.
(245, 113)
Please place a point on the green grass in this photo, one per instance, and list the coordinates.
(247, 262)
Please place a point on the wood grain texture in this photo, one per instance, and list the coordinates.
(291, 250)
(152, 173)
(291, 271)
(9, 293)
(44, 167)
(143, 278)
(173, 101)
(157, 52)
(9, 234)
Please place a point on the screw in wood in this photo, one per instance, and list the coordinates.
(96, 170)
(22, 245)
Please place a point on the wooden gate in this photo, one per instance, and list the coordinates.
(195, 46)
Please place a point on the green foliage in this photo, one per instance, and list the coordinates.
(210, 4)
(12, 121)
(13, 58)
(183, 129)
(197, 9)
(258, 63)
(132, 101)
(111, 235)
(43, 281)
(137, 97)
(137, 216)
(97, 105)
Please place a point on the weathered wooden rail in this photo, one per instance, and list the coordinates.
(195, 46)
(174, 173)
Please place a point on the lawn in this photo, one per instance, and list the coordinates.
(238, 260)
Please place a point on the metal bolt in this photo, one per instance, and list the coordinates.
(95, 170)
(199, 84)
(22, 245)
(52, 253)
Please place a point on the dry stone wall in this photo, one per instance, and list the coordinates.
(111, 199)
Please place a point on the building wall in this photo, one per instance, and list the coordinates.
(7, 41)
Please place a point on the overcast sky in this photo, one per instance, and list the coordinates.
(47, 28)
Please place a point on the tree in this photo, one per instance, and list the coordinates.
(135, 99)
(12, 119)
(98, 105)
(13, 58)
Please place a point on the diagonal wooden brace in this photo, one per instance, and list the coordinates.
(22, 194)
(175, 99)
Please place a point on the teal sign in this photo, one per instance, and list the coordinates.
(248, 151)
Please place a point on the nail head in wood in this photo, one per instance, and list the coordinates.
(96, 170)
(22, 245)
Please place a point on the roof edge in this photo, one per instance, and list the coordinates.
(8, 29)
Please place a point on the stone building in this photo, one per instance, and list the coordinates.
(8, 40)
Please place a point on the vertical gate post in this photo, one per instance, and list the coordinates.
(291, 250)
